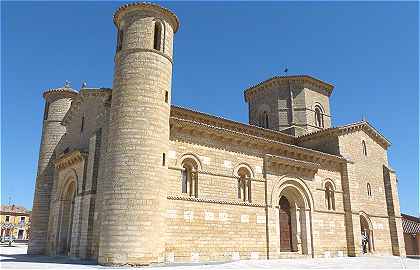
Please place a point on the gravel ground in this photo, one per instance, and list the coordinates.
(15, 258)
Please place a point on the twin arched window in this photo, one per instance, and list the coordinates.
(329, 196)
(190, 177)
(157, 39)
(364, 148)
(369, 189)
(264, 120)
(244, 184)
(319, 116)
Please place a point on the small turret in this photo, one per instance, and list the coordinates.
(57, 103)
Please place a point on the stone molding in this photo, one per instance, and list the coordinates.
(218, 174)
(134, 50)
(70, 159)
(299, 165)
(337, 131)
(217, 121)
(194, 199)
(142, 5)
(304, 80)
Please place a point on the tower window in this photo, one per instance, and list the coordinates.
(119, 40)
(166, 96)
(46, 110)
(157, 36)
(364, 148)
(264, 120)
(319, 117)
(369, 190)
(7, 218)
(82, 125)
(163, 159)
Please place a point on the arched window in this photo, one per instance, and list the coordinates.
(369, 190)
(190, 178)
(364, 148)
(329, 196)
(264, 119)
(157, 36)
(319, 117)
(244, 184)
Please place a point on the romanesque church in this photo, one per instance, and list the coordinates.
(126, 178)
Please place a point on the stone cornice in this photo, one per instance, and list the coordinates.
(305, 80)
(193, 199)
(143, 5)
(300, 165)
(70, 159)
(337, 131)
(218, 174)
(184, 113)
(235, 137)
(63, 92)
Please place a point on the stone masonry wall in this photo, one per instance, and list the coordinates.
(367, 169)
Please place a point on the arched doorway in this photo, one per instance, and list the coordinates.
(367, 244)
(66, 218)
(285, 225)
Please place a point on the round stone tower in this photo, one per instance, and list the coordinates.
(57, 103)
(135, 192)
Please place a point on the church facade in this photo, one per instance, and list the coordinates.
(126, 178)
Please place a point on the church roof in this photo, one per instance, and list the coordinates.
(278, 79)
(410, 224)
(362, 125)
(195, 120)
(65, 91)
(186, 113)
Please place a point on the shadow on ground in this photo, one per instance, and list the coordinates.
(42, 259)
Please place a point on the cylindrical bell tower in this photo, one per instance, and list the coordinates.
(57, 103)
(135, 192)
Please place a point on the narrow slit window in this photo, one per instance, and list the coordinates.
(157, 36)
(166, 96)
(163, 159)
(82, 125)
(364, 148)
(119, 40)
(46, 110)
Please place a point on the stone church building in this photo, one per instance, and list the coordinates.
(126, 178)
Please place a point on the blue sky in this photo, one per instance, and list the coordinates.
(369, 51)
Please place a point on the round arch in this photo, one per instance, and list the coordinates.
(329, 180)
(243, 165)
(192, 156)
(298, 187)
(366, 231)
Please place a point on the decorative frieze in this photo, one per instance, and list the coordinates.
(70, 159)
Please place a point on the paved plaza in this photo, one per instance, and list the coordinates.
(15, 258)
